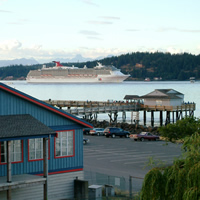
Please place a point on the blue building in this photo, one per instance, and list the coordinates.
(41, 148)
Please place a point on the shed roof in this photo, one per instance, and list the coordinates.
(22, 126)
(166, 94)
(129, 97)
(166, 91)
(45, 105)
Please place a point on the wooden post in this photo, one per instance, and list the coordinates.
(123, 116)
(45, 166)
(161, 118)
(131, 117)
(152, 118)
(130, 186)
(167, 118)
(177, 117)
(173, 117)
(9, 169)
(145, 120)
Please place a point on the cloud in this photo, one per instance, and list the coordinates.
(19, 22)
(85, 32)
(13, 49)
(89, 2)
(10, 45)
(5, 11)
(2, 1)
(178, 30)
(99, 22)
(110, 17)
(94, 38)
(132, 30)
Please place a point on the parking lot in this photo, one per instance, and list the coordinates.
(124, 157)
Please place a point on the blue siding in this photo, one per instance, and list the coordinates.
(11, 105)
(55, 164)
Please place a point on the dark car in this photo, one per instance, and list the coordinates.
(86, 131)
(114, 131)
(144, 136)
(85, 140)
(97, 131)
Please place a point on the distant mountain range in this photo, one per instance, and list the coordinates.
(22, 61)
(32, 61)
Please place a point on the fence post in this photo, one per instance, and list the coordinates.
(130, 186)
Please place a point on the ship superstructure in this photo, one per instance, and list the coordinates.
(67, 74)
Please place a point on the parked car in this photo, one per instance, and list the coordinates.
(114, 131)
(85, 140)
(86, 131)
(144, 136)
(97, 131)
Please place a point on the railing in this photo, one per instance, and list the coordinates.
(105, 109)
(183, 107)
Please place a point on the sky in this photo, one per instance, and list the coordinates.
(48, 29)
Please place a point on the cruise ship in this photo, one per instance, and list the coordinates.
(67, 74)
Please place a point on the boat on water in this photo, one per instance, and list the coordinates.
(67, 74)
(192, 79)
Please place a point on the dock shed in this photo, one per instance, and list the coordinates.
(41, 148)
(163, 97)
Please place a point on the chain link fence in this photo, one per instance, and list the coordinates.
(123, 188)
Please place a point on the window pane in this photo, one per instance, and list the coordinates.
(35, 148)
(18, 157)
(64, 143)
(31, 155)
(16, 151)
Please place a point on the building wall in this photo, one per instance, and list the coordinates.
(158, 102)
(12, 105)
(56, 165)
(60, 186)
(176, 102)
(163, 102)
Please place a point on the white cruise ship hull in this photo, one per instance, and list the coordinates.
(77, 79)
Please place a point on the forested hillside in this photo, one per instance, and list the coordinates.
(139, 65)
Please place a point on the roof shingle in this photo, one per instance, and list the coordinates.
(22, 126)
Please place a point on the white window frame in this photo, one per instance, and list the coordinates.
(16, 149)
(35, 146)
(64, 144)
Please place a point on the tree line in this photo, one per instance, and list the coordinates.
(139, 65)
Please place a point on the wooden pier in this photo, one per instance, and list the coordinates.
(91, 109)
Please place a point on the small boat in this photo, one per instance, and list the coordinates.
(192, 79)
(147, 79)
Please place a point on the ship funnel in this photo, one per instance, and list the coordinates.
(58, 64)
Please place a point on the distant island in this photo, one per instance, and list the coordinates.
(140, 65)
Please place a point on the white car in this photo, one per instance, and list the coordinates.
(97, 131)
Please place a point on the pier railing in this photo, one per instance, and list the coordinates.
(103, 109)
(88, 104)
(183, 107)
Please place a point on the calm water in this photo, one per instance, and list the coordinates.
(105, 91)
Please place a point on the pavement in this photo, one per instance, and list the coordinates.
(123, 157)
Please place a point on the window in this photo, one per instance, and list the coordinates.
(35, 148)
(16, 151)
(159, 102)
(64, 144)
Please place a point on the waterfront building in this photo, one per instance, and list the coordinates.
(41, 148)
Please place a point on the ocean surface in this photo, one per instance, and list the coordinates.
(108, 91)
